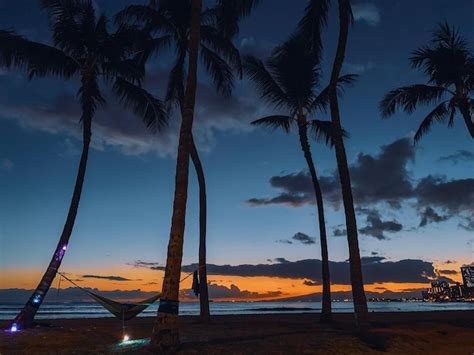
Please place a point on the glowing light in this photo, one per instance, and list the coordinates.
(64, 247)
(126, 338)
(14, 328)
(37, 299)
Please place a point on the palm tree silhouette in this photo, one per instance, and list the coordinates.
(169, 20)
(226, 14)
(84, 48)
(449, 65)
(310, 26)
(288, 80)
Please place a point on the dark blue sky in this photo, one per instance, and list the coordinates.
(126, 205)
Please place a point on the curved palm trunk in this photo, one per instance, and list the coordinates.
(326, 312)
(358, 293)
(27, 314)
(203, 289)
(165, 332)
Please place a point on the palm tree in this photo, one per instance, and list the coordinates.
(170, 21)
(83, 48)
(310, 26)
(199, 33)
(288, 79)
(449, 65)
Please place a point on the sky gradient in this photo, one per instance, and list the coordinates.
(413, 202)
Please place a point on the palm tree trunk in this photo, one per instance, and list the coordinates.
(358, 293)
(27, 314)
(165, 332)
(326, 312)
(203, 289)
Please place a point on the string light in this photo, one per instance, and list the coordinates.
(14, 328)
(126, 338)
(64, 247)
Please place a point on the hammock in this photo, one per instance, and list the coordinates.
(123, 311)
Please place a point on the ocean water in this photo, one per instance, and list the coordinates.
(93, 310)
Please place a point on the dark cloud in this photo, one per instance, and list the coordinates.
(376, 227)
(281, 260)
(220, 291)
(374, 253)
(384, 177)
(311, 283)
(376, 270)
(429, 215)
(112, 278)
(303, 238)
(380, 178)
(459, 156)
(339, 232)
(300, 238)
(452, 196)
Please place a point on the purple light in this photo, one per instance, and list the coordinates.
(14, 328)
(65, 247)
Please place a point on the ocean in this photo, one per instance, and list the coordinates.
(93, 310)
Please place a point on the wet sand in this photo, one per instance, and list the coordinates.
(450, 332)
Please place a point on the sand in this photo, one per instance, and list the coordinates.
(450, 332)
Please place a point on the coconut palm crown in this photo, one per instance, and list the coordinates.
(448, 64)
(83, 49)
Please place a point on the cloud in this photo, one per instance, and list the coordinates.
(281, 260)
(339, 232)
(376, 270)
(299, 237)
(457, 157)
(376, 227)
(303, 238)
(375, 178)
(117, 128)
(6, 165)
(224, 292)
(452, 196)
(468, 224)
(112, 278)
(367, 12)
(357, 68)
(311, 283)
(429, 215)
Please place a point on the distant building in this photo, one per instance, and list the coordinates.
(467, 273)
(442, 291)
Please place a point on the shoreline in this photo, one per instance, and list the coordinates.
(435, 332)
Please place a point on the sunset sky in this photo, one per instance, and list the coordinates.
(413, 202)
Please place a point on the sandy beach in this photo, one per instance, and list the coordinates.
(394, 333)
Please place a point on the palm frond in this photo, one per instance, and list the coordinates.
(36, 58)
(274, 122)
(175, 89)
(312, 23)
(409, 97)
(67, 19)
(222, 45)
(227, 14)
(324, 131)
(296, 70)
(269, 89)
(439, 113)
(321, 102)
(143, 104)
(219, 70)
